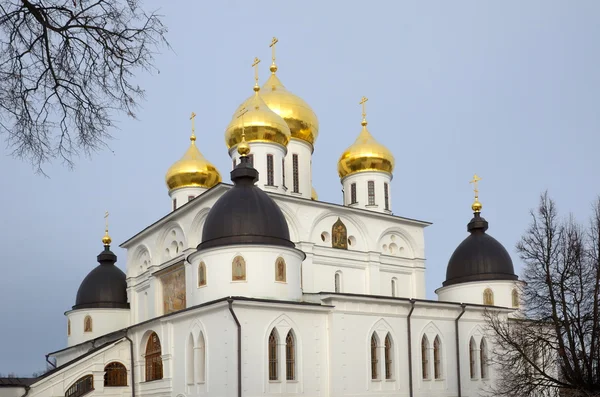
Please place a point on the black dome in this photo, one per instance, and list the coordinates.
(479, 257)
(245, 215)
(103, 287)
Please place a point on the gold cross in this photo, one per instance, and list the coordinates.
(106, 220)
(362, 102)
(272, 45)
(192, 117)
(474, 182)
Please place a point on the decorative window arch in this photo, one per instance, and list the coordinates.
(154, 365)
(201, 349)
(87, 323)
(339, 235)
(280, 270)
(374, 356)
(483, 358)
(238, 269)
(115, 374)
(437, 358)
(201, 274)
(388, 357)
(488, 297)
(290, 356)
(515, 298)
(189, 360)
(273, 356)
(473, 358)
(394, 286)
(425, 357)
(338, 281)
(82, 386)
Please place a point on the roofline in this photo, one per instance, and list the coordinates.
(285, 196)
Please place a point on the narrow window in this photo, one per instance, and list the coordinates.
(201, 352)
(483, 358)
(394, 287)
(338, 282)
(234, 163)
(473, 358)
(251, 160)
(190, 198)
(290, 357)
(87, 324)
(437, 358)
(515, 298)
(424, 357)
(174, 204)
(201, 274)
(82, 386)
(69, 327)
(273, 356)
(371, 189)
(154, 368)
(374, 358)
(386, 196)
(189, 365)
(115, 374)
(353, 193)
(388, 357)
(295, 173)
(270, 173)
(488, 297)
(283, 172)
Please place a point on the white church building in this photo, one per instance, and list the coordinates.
(257, 288)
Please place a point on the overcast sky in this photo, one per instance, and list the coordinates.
(508, 90)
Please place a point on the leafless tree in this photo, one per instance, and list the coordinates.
(553, 349)
(67, 67)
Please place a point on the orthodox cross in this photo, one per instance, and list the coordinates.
(255, 66)
(474, 182)
(272, 45)
(362, 102)
(192, 117)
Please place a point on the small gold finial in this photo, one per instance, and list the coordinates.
(476, 206)
(273, 67)
(106, 240)
(193, 137)
(362, 102)
(255, 66)
(243, 147)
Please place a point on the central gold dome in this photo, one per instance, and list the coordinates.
(259, 123)
(365, 154)
(192, 170)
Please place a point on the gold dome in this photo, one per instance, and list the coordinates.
(313, 195)
(192, 170)
(259, 123)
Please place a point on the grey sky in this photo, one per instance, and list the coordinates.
(509, 90)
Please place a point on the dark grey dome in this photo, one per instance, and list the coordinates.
(480, 257)
(104, 287)
(245, 215)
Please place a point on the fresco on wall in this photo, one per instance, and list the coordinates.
(238, 269)
(173, 284)
(280, 269)
(339, 235)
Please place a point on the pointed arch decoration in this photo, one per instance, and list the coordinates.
(425, 357)
(473, 358)
(153, 358)
(437, 358)
(515, 298)
(201, 356)
(388, 356)
(189, 360)
(483, 358)
(339, 235)
(290, 356)
(374, 356)
(273, 356)
(87, 323)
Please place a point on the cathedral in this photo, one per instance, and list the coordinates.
(251, 286)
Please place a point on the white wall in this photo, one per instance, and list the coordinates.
(304, 151)
(361, 179)
(472, 292)
(182, 195)
(104, 321)
(259, 151)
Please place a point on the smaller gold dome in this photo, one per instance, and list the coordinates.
(192, 170)
(106, 240)
(259, 123)
(477, 206)
(313, 195)
(365, 154)
(243, 147)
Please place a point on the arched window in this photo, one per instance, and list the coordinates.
(154, 368)
(388, 357)
(437, 358)
(115, 374)
(290, 356)
(473, 358)
(374, 357)
(201, 274)
(81, 386)
(238, 269)
(87, 324)
(425, 357)
(201, 358)
(189, 360)
(338, 282)
(394, 287)
(273, 362)
(280, 270)
(515, 298)
(483, 358)
(488, 297)
(69, 327)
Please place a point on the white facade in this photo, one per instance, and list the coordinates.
(370, 190)
(99, 322)
(299, 153)
(183, 195)
(260, 152)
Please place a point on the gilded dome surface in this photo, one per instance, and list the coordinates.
(192, 170)
(365, 154)
(259, 123)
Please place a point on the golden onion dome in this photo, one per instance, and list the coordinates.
(259, 123)
(313, 194)
(192, 170)
(365, 154)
